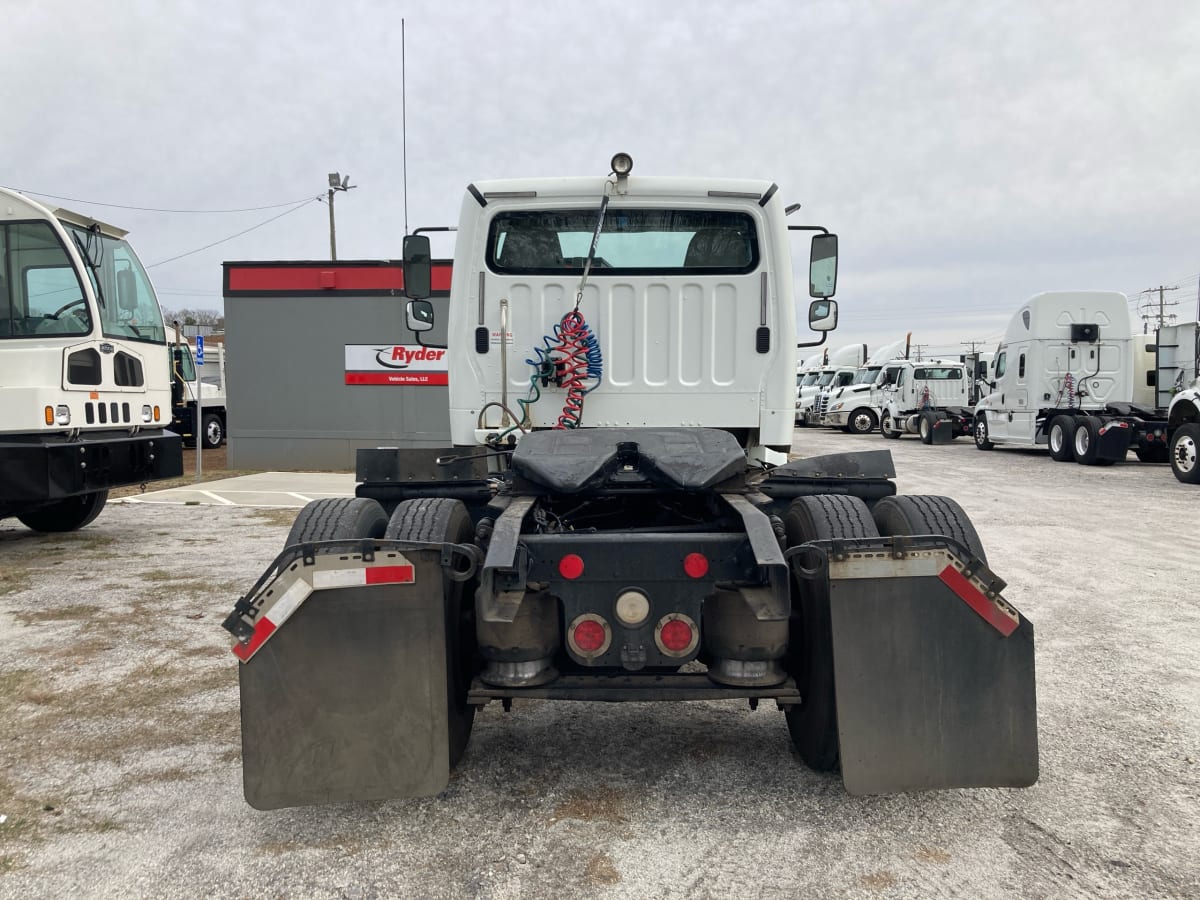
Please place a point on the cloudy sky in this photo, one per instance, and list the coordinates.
(969, 155)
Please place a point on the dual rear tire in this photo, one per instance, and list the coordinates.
(429, 520)
(812, 723)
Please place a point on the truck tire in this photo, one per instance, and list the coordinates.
(923, 514)
(1184, 443)
(440, 520)
(925, 426)
(981, 433)
(338, 519)
(70, 514)
(861, 421)
(212, 431)
(888, 428)
(1061, 438)
(1087, 443)
(813, 723)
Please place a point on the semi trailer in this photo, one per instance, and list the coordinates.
(85, 395)
(617, 520)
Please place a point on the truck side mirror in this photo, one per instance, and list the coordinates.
(822, 267)
(418, 315)
(823, 315)
(416, 267)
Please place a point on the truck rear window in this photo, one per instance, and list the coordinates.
(633, 242)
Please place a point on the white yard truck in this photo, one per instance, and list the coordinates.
(186, 379)
(1063, 378)
(85, 396)
(931, 399)
(608, 524)
(1178, 376)
(856, 408)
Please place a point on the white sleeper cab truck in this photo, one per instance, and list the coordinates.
(856, 407)
(929, 399)
(837, 372)
(609, 524)
(186, 379)
(85, 395)
(1063, 378)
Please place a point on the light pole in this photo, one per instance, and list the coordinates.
(336, 183)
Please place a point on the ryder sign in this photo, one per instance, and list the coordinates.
(399, 364)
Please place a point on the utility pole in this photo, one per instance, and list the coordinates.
(336, 183)
(917, 348)
(1162, 318)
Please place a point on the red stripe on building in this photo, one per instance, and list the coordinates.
(349, 278)
(263, 630)
(957, 582)
(398, 378)
(390, 575)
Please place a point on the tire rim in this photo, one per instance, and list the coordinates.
(862, 422)
(214, 434)
(981, 434)
(1185, 454)
(924, 427)
(1083, 440)
(1056, 439)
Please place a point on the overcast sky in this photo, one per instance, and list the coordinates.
(968, 155)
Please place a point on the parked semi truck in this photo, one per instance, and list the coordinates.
(931, 399)
(85, 399)
(837, 372)
(611, 524)
(186, 380)
(1063, 378)
(856, 407)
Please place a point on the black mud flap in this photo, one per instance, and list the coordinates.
(347, 699)
(933, 670)
(944, 431)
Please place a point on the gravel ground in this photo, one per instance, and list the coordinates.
(119, 754)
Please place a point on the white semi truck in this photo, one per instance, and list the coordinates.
(856, 407)
(930, 398)
(186, 380)
(85, 395)
(1177, 350)
(609, 526)
(837, 372)
(1063, 378)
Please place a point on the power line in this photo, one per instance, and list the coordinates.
(155, 209)
(232, 236)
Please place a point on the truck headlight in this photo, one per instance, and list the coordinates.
(62, 415)
(835, 407)
(147, 414)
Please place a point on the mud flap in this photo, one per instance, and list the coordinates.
(933, 671)
(348, 700)
(944, 431)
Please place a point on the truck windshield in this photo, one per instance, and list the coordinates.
(826, 378)
(866, 376)
(128, 309)
(633, 242)
(40, 292)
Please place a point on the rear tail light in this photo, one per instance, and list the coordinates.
(589, 635)
(676, 635)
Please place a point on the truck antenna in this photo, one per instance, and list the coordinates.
(403, 127)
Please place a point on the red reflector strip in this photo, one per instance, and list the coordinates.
(390, 575)
(957, 582)
(262, 631)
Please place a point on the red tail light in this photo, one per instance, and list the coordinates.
(589, 635)
(676, 635)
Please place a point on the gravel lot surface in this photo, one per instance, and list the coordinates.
(119, 749)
